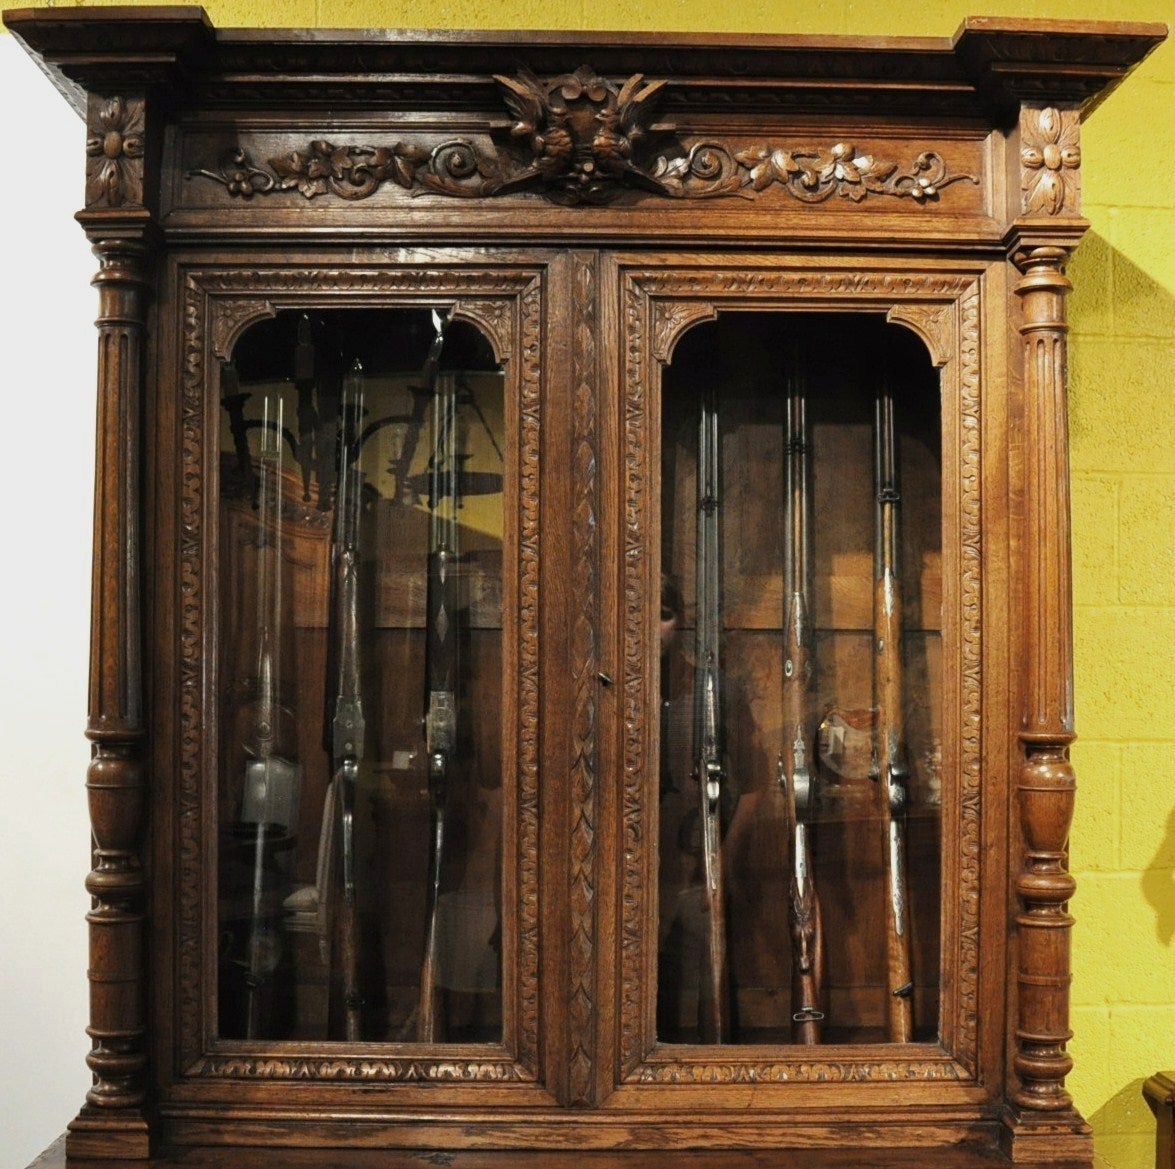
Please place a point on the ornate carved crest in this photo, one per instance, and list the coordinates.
(580, 138)
(581, 131)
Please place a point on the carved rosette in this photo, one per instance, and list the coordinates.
(1046, 785)
(115, 146)
(1050, 161)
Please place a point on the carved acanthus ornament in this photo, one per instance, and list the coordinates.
(580, 141)
(1050, 161)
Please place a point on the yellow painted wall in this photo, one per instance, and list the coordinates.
(1123, 464)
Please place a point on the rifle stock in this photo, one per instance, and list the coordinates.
(714, 1001)
(890, 768)
(795, 777)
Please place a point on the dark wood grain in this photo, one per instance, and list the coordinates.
(590, 204)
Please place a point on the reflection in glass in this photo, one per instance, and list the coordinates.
(360, 668)
(800, 691)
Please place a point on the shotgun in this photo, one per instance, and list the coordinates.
(347, 723)
(795, 777)
(272, 779)
(441, 661)
(708, 731)
(890, 769)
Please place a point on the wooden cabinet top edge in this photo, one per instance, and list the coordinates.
(984, 70)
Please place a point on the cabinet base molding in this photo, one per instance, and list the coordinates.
(1027, 1139)
(964, 1156)
(123, 1138)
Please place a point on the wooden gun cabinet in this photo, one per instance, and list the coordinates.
(581, 626)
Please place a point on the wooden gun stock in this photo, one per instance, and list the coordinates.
(891, 773)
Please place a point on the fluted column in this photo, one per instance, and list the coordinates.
(112, 1123)
(1045, 786)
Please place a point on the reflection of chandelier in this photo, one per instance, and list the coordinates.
(392, 462)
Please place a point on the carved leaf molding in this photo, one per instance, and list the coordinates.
(579, 141)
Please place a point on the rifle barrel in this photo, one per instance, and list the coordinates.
(441, 663)
(714, 1004)
(348, 725)
(804, 917)
(891, 771)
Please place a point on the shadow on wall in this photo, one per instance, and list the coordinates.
(1125, 1131)
(1122, 416)
(1158, 884)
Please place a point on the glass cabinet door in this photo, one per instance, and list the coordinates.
(359, 673)
(799, 897)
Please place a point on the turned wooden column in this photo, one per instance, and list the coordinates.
(117, 225)
(1045, 786)
(1049, 227)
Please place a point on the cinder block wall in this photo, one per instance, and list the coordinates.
(1123, 465)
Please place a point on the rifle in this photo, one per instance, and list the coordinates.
(272, 779)
(889, 757)
(347, 724)
(441, 667)
(795, 778)
(713, 1006)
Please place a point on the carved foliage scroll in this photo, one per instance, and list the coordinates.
(580, 139)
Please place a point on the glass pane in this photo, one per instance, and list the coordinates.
(800, 692)
(360, 674)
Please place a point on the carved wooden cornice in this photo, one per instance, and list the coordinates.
(989, 65)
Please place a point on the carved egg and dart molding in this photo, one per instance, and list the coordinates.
(580, 139)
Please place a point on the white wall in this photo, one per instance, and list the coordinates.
(47, 355)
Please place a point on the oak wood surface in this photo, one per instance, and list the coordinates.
(845, 1158)
(605, 211)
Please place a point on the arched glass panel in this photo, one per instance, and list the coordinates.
(359, 675)
(800, 685)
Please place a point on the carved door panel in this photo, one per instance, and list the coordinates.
(356, 678)
(799, 622)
